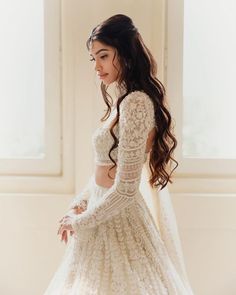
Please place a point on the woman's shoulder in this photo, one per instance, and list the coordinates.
(136, 99)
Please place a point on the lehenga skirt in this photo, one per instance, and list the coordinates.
(126, 255)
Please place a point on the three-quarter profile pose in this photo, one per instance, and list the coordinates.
(115, 245)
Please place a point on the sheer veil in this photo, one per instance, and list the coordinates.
(167, 225)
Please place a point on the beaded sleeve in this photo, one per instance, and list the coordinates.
(135, 122)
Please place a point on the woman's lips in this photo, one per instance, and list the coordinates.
(102, 76)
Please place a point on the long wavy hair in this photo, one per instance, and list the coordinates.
(138, 72)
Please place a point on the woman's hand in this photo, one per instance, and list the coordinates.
(65, 223)
(64, 227)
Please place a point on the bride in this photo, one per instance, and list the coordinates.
(115, 245)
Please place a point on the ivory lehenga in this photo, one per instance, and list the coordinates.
(117, 247)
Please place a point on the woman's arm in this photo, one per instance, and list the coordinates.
(136, 121)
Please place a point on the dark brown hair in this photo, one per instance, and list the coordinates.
(138, 72)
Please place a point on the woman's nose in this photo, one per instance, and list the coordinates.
(97, 66)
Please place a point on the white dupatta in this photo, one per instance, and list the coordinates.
(165, 218)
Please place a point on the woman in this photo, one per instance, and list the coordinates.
(116, 247)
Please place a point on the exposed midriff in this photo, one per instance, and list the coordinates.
(101, 175)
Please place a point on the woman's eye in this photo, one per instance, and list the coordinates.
(102, 57)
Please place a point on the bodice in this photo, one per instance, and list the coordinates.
(102, 142)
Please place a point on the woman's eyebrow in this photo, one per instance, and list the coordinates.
(103, 49)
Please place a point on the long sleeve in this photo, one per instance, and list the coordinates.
(135, 122)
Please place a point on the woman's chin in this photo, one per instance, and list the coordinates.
(108, 82)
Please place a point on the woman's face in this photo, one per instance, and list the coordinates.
(102, 55)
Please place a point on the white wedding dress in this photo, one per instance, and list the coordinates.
(117, 247)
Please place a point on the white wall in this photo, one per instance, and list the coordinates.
(208, 229)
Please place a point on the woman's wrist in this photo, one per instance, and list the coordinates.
(82, 205)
